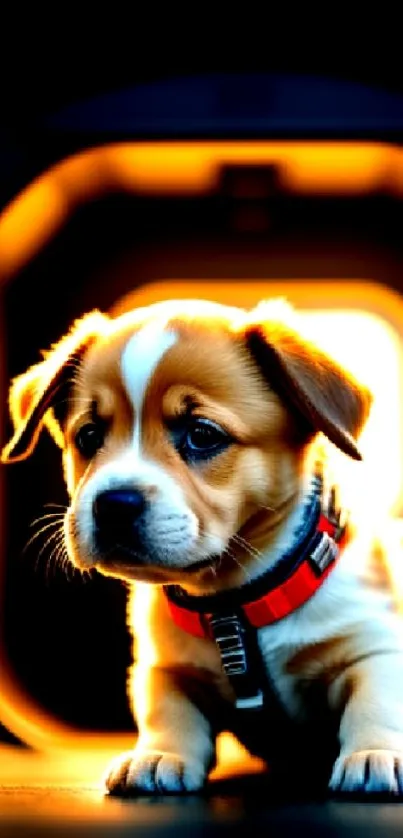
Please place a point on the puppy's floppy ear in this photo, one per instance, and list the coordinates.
(326, 397)
(34, 393)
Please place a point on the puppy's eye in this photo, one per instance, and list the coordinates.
(203, 439)
(89, 439)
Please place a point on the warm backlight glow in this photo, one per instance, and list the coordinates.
(185, 168)
(372, 351)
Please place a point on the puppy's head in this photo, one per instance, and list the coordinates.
(184, 430)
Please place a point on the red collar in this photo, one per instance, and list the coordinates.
(193, 614)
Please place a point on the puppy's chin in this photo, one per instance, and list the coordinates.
(159, 575)
(144, 570)
(151, 566)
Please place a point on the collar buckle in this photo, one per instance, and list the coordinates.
(238, 650)
(324, 554)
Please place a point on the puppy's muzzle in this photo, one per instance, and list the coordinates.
(117, 517)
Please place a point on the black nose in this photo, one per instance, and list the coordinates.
(116, 515)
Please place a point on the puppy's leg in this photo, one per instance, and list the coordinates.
(175, 747)
(371, 729)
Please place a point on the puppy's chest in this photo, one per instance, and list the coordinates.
(293, 675)
(295, 713)
(282, 680)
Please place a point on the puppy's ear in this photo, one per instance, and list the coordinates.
(34, 394)
(325, 396)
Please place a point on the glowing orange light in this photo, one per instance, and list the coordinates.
(41, 209)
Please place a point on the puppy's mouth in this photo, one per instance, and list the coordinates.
(141, 565)
(138, 559)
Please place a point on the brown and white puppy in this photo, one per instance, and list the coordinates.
(186, 431)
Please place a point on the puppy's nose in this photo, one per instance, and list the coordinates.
(116, 514)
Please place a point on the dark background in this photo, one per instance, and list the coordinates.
(66, 635)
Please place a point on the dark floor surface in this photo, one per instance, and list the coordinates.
(242, 808)
(63, 797)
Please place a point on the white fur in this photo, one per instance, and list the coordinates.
(140, 357)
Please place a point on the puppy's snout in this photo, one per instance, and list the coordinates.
(116, 514)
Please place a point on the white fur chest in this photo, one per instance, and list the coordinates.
(346, 619)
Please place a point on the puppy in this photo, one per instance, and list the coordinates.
(188, 433)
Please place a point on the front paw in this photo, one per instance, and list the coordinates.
(372, 771)
(154, 772)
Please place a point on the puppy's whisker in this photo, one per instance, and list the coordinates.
(54, 515)
(213, 570)
(67, 567)
(252, 551)
(60, 549)
(49, 525)
(231, 555)
(49, 540)
(246, 573)
(59, 554)
(51, 537)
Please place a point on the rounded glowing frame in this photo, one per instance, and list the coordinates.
(36, 215)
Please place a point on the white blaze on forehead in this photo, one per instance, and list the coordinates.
(140, 358)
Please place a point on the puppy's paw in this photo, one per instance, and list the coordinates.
(154, 772)
(372, 772)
